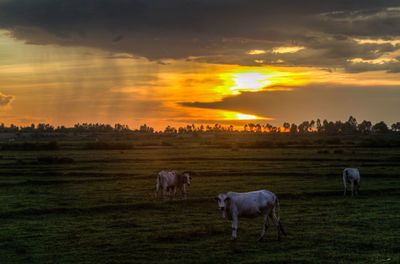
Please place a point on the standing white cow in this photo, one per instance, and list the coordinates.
(352, 176)
(171, 181)
(251, 204)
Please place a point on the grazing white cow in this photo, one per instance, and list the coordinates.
(352, 176)
(250, 204)
(171, 181)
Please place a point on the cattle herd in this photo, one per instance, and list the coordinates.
(249, 204)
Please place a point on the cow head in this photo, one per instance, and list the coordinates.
(187, 178)
(223, 201)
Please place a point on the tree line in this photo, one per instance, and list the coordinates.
(351, 126)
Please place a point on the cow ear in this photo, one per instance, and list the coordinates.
(216, 199)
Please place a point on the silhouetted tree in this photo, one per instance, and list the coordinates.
(268, 127)
(251, 127)
(312, 124)
(319, 126)
(119, 127)
(350, 127)
(170, 130)
(286, 126)
(396, 126)
(380, 127)
(330, 128)
(146, 129)
(293, 129)
(365, 127)
(304, 127)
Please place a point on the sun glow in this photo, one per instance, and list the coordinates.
(257, 79)
(250, 82)
(231, 115)
(246, 117)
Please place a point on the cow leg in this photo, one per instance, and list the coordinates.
(276, 222)
(184, 191)
(352, 188)
(345, 186)
(174, 193)
(164, 192)
(234, 227)
(265, 225)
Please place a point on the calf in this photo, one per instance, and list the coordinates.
(171, 181)
(251, 204)
(352, 176)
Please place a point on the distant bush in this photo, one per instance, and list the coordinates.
(102, 145)
(54, 160)
(26, 146)
(323, 151)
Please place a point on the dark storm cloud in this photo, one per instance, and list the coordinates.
(329, 101)
(217, 31)
(363, 67)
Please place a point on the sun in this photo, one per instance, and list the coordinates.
(250, 82)
(232, 115)
(247, 117)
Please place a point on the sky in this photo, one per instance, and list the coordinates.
(189, 61)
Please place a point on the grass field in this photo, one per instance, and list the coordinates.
(98, 206)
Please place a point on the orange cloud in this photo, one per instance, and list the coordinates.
(5, 100)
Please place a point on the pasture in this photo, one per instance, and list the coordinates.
(97, 206)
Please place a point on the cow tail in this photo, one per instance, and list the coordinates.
(158, 184)
(159, 179)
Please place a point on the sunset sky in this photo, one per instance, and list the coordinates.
(176, 62)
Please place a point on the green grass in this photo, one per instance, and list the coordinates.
(100, 208)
